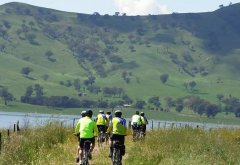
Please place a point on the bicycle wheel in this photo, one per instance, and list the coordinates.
(85, 158)
(116, 156)
(86, 152)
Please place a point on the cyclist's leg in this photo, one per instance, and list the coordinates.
(92, 144)
(112, 138)
(144, 130)
(82, 140)
(78, 149)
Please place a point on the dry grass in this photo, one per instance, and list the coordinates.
(54, 145)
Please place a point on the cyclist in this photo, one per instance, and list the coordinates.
(83, 114)
(87, 129)
(136, 122)
(101, 121)
(118, 129)
(144, 123)
(109, 120)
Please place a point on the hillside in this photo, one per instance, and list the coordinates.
(69, 53)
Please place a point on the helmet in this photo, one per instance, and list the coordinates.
(89, 113)
(118, 113)
(137, 112)
(101, 111)
(83, 113)
(142, 113)
(108, 112)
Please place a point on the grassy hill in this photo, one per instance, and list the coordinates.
(61, 47)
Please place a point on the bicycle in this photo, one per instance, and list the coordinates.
(118, 152)
(86, 152)
(141, 133)
(136, 134)
(101, 138)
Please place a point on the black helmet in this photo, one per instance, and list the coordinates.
(108, 112)
(89, 113)
(142, 113)
(118, 113)
(137, 112)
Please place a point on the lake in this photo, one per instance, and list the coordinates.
(8, 119)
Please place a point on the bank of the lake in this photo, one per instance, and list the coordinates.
(184, 116)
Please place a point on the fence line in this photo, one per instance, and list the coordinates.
(152, 125)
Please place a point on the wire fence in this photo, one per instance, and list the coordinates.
(72, 121)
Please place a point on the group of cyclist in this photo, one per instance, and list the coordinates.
(116, 127)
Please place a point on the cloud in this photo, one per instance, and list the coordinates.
(141, 7)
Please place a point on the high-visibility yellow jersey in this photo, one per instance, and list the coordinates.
(118, 126)
(136, 119)
(101, 119)
(86, 127)
(144, 120)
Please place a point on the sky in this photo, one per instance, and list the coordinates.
(130, 7)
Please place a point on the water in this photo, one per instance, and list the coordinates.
(8, 119)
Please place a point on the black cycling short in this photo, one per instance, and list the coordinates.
(143, 128)
(116, 137)
(82, 140)
(101, 128)
(135, 126)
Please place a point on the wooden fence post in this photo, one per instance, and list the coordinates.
(129, 125)
(14, 127)
(18, 128)
(152, 125)
(159, 125)
(73, 122)
(8, 134)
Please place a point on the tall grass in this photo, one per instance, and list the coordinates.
(53, 144)
(187, 146)
(41, 145)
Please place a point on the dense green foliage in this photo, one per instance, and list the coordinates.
(80, 60)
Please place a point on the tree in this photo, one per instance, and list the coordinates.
(49, 53)
(164, 78)
(220, 97)
(76, 84)
(26, 70)
(179, 104)
(7, 96)
(29, 91)
(192, 84)
(38, 90)
(45, 77)
(155, 101)
(140, 104)
(91, 79)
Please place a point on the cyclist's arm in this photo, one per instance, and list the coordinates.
(110, 128)
(140, 119)
(77, 129)
(146, 120)
(95, 130)
(125, 128)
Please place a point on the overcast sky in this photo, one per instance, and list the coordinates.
(130, 7)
